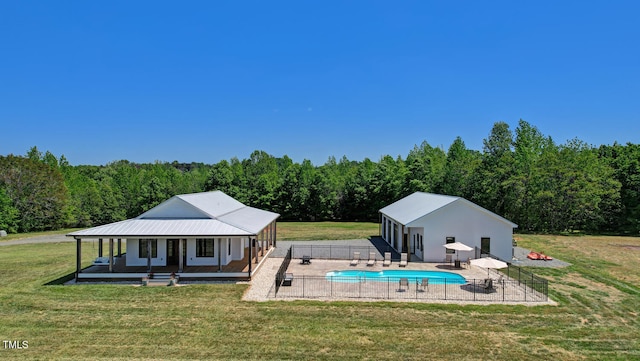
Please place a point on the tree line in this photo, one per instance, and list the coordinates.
(521, 175)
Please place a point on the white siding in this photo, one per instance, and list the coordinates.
(133, 258)
(467, 225)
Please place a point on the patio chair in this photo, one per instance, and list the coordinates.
(404, 284)
(500, 280)
(403, 260)
(356, 258)
(488, 285)
(448, 259)
(424, 284)
(372, 259)
(387, 259)
(306, 260)
(288, 278)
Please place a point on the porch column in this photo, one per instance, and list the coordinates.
(219, 254)
(119, 247)
(180, 255)
(78, 257)
(250, 245)
(255, 244)
(99, 247)
(275, 233)
(148, 240)
(262, 243)
(110, 254)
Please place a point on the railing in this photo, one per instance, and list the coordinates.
(338, 287)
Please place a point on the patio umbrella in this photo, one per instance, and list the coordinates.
(457, 246)
(488, 262)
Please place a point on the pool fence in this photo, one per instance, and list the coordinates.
(511, 284)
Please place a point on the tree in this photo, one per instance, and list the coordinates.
(460, 166)
(37, 192)
(8, 213)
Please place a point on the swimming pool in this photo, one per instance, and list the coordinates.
(435, 277)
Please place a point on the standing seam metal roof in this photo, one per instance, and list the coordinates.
(419, 204)
(216, 214)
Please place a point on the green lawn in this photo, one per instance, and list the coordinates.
(596, 317)
(314, 231)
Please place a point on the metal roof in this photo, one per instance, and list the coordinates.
(419, 204)
(162, 227)
(416, 205)
(197, 214)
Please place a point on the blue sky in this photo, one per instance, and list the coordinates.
(202, 81)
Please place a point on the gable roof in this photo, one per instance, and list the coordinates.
(420, 204)
(197, 214)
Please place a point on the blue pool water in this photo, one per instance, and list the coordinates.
(435, 277)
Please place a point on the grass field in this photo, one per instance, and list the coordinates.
(596, 317)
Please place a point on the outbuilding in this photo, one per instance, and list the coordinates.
(422, 223)
(194, 236)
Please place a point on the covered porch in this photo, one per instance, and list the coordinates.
(223, 257)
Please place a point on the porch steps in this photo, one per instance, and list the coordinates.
(160, 280)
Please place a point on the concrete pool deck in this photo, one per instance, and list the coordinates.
(262, 285)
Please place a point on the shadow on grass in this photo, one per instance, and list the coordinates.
(61, 280)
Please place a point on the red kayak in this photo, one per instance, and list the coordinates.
(533, 255)
(538, 256)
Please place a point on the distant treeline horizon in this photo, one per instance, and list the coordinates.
(521, 175)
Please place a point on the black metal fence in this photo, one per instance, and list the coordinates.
(282, 270)
(512, 284)
(335, 252)
(521, 275)
(321, 287)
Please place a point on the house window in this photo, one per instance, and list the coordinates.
(451, 240)
(143, 250)
(485, 245)
(229, 243)
(421, 242)
(204, 247)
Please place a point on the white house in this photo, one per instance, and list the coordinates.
(200, 235)
(421, 223)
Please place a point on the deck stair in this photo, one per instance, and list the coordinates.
(162, 279)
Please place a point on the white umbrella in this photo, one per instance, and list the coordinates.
(457, 246)
(488, 262)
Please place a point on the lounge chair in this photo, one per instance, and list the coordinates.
(387, 259)
(404, 283)
(372, 259)
(356, 258)
(424, 284)
(403, 260)
(488, 285)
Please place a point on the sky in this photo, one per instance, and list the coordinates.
(203, 81)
